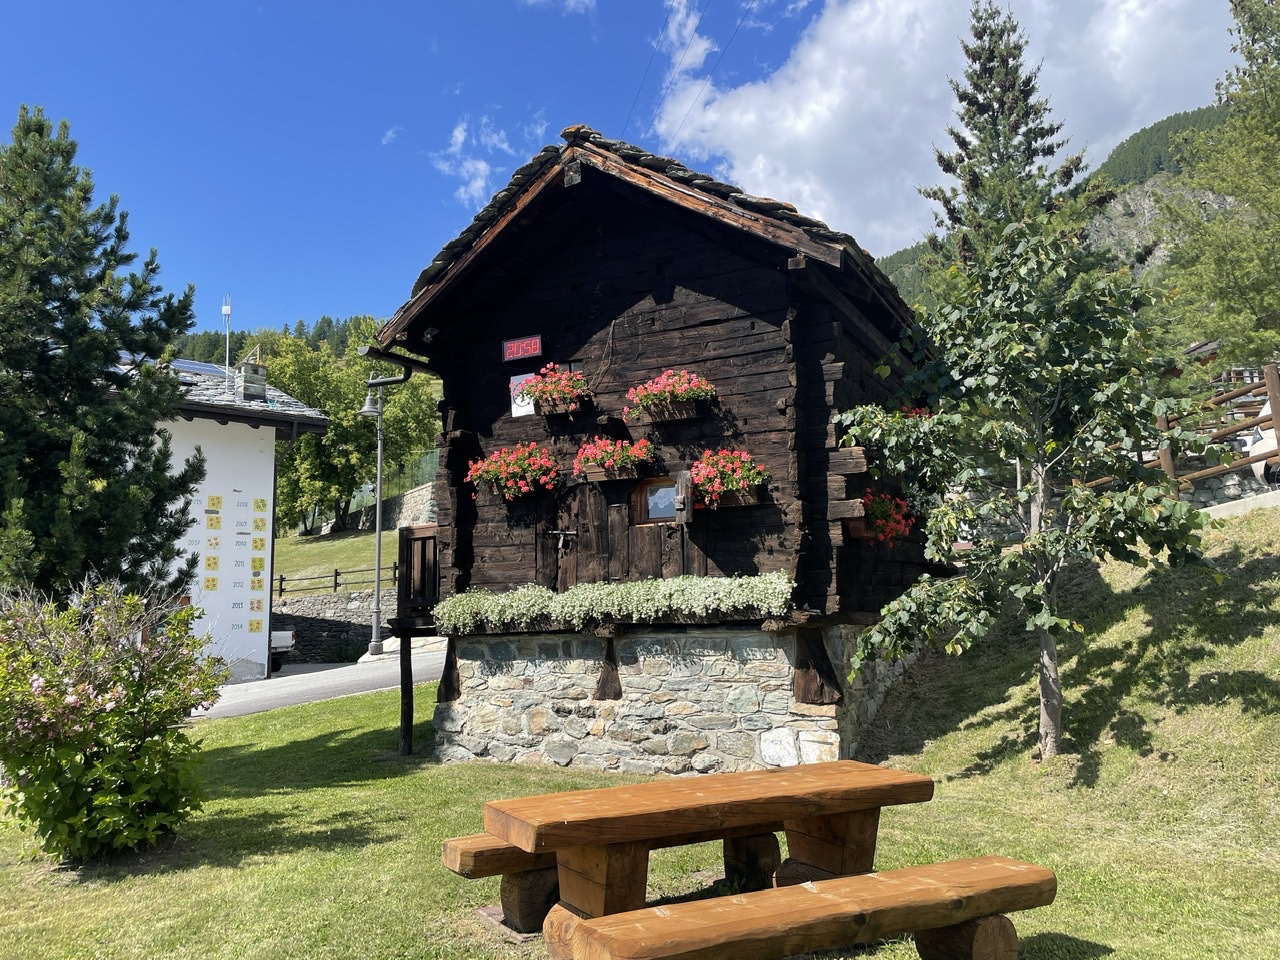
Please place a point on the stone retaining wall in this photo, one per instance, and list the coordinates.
(693, 700)
(411, 507)
(331, 627)
(1226, 488)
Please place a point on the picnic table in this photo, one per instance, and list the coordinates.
(601, 838)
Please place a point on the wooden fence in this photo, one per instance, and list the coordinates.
(1222, 416)
(341, 579)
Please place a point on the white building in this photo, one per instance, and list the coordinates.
(235, 419)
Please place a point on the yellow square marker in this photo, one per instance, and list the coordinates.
(259, 543)
(215, 502)
(211, 562)
(257, 583)
(210, 584)
(213, 522)
(259, 524)
(259, 504)
(255, 626)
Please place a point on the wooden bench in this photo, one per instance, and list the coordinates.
(530, 886)
(956, 910)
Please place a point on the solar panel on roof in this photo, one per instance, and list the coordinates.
(199, 366)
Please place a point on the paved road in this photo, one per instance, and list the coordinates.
(306, 682)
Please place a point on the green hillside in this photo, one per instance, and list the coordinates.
(1154, 149)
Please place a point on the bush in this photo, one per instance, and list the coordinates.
(94, 695)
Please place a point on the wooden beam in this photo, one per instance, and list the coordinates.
(854, 319)
(731, 215)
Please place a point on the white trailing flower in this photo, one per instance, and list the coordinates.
(641, 601)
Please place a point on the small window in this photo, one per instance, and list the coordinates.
(655, 501)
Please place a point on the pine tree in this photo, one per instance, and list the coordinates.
(87, 481)
(1004, 142)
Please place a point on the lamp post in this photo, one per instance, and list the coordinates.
(373, 408)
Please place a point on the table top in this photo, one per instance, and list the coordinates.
(717, 801)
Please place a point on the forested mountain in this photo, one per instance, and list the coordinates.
(1142, 166)
(1154, 149)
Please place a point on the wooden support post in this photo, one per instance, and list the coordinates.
(527, 898)
(1166, 453)
(1271, 377)
(750, 862)
(987, 938)
(842, 844)
(598, 880)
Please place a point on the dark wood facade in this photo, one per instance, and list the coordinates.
(627, 265)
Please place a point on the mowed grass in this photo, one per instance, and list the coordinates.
(319, 556)
(1161, 820)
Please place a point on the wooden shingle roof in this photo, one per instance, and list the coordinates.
(772, 220)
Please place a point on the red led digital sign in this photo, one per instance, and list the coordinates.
(522, 348)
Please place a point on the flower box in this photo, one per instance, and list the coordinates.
(670, 411)
(562, 408)
(554, 391)
(514, 472)
(729, 478)
(596, 473)
(675, 395)
(602, 458)
(741, 498)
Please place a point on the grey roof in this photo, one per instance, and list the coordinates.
(210, 394)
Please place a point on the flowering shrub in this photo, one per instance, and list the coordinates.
(724, 471)
(671, 385)
(638, 601)
(609, 454)
(887, 517)
(515, 471)
(93, 699)
(552, 384)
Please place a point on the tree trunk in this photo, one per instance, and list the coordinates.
(1050, 696)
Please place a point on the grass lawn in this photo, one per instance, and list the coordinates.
(320, 556)
(1161, 822)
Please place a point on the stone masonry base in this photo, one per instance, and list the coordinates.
(694, 700)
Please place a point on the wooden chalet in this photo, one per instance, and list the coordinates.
(607, 260)
(623, 264)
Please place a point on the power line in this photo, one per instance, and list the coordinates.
(647, 67)
(676, 72)
(741, 19)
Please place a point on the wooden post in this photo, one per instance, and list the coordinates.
(1166, 453)
(749, 862)
(987, 938)
(527, 897)
(842, 844)
(599, 880)
(1271, 377)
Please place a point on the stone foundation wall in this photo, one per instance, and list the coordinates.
(693, 700)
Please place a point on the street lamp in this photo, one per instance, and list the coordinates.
(373, 408)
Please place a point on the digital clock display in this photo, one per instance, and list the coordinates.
(522, 348)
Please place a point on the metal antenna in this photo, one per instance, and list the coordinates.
(226, 321)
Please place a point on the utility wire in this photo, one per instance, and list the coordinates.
(647, 67)
(676, 72)
(751, 6)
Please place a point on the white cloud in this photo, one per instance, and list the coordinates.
(472, 148)
(566, 6)
(845, 127)
(390, 136)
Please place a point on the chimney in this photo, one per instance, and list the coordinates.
(251, 381)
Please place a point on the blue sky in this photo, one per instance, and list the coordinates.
(309, 158)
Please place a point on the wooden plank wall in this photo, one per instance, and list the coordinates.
(628, 293)
(626, 300)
